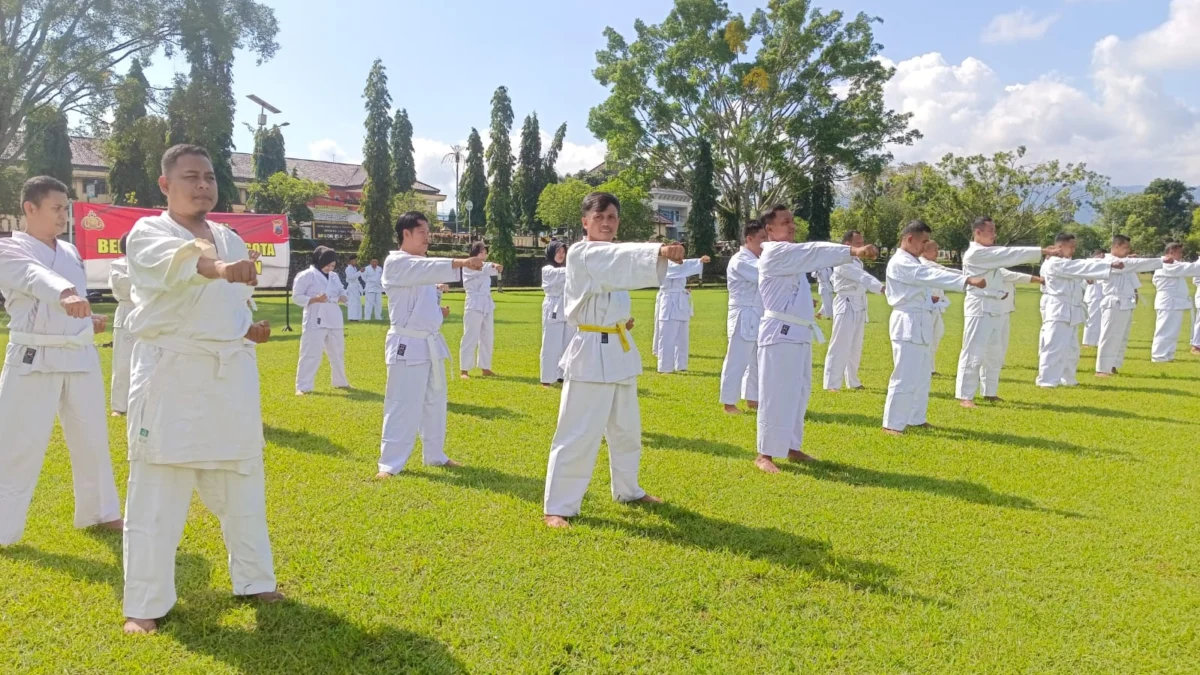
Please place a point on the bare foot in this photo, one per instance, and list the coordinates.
(383, 475)
(732, 410)
(648, 499)
(488, 373)
(967, 403)
(268, 598)
(1196, 351)
(1103, 374)
(1115, 372)
(926, 425)
(833, 391)
(936, 373)
(799, 457)
(140, 626)
(451, 464)
(892, 432)
(117, 525)
(117, 413)
(993, 399)
(464, 376)
(547, 386)
(301, 393)
(557, 522)
(861, 386)
(753, 405)
(765, 464)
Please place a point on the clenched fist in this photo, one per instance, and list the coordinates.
(868, 252)
(629, 324)
(240, 272)
(445, 311)
(469, 263)
(259, 332)
(673, 252)
(1118, 265)
(705, 259)
(99, 322)
(74, 305)
(977, 282)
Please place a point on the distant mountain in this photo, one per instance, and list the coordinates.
(1087, 215)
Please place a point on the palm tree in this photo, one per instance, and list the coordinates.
(457, 152)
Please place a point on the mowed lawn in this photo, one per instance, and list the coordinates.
(1058, 531)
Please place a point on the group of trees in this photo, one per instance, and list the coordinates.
(1165, 211)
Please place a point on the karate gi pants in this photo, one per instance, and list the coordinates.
(1167, 325)
(784, 385)
(673, 345)
(1091, 330)
(989, 376)
(939, 332)
(122, 360)
(739, 373)
(28, 404)
(826, 308)
(354, 305)
(1058, 355)
(1196, 329)
(908, 389)
(555, 338)
(478, 340)
(1115, 325)
(845, 350)
(588, 412)
(373, 310)
(412, 407)
(313, 343)
(157, 509)
(982, 337)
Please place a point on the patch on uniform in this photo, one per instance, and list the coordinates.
(400, 349)
(784, 330)
(29, 354)
(318, 321)
(604, 338)
(553, 315)
(144, 433)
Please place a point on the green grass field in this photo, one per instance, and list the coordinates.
(1054, 532)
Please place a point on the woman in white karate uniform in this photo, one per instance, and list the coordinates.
(479, 310)
(354, 290)
(319, 291)
(122, 289)
(555, 333)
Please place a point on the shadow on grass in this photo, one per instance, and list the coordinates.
(1018, 441)
(482, 411)
(698, 445)
(1095, 412)
(514, 378)
(303, 441)
(955, 489)
(352, 394)
(490, 480)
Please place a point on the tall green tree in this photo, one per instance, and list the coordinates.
(474, 183)
(1143, 218)
(133, 176)
(48, 151)
(500, 218)
(270, 153)
(377, 161)
(701, 222)
(559, 205)
(550, 173)
(813, 83)
(1178, 200)
(404, 166)
(528, 183)
(282, 193)
(815, 204)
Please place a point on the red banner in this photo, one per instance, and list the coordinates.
(99, 228)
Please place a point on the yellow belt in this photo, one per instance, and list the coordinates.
(617, 329)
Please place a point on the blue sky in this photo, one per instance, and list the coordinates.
(980, 76)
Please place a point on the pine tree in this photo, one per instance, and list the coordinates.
(404, 167)
(270, 153)
(527, 184)
(500, 221)
(820, 201)
(549, 173)
(474, 182)
(133, 173)
(701, 224)
(48, 152)
(377, 161)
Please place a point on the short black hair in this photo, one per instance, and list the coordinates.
(768, 216)
(914, 227)
(121, 244)
(751, 228)
(171, 157)
(1098, 251)
(352, 258)
(600, 201)
(979, 222)
(476, 249)
(35, 189)
(1064, 237)
(1174, 246)
(1119, 239)
(408, 221)
(849, 235)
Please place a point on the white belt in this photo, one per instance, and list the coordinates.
(788, 318)
(85, 338)
(437, 368)
(672, 291)
(222, 351)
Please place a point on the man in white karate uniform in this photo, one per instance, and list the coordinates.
(414, 402)
(372, 278)
(786, 334)
(1172, 303)
(1093, 297)
(983, 316)
(354, 290)
(908, 288)
(1120, 299)
(602, 364)
(479, 316)
(122, 343)
(940, 303)
(51, 367)
(555, 334)
(851, 283)
(195, 417)
(1196, 320)
(1064, 309)
(319, 291)
(825, 290)
(990, 377)
(674, 314)
(739, 372)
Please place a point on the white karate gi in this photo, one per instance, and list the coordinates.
(739, 372)
(600, 369)
(940, 303)
(1116, 309)
(1196, 322)
(785, 338)
(195, 417)
(1063, 310)
(910, 281)
(983, 316)
(373, 279)
(415, 352)
(51, 366)
(479, 313)
(989, 377)
(1173, 308)
(555, 333)
(1092, 298)
(850, 284)
(321, 330)
(825, 290)
(122, 290)
(354, 293)
(673, 317)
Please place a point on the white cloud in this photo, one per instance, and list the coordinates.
(1174, 45)
(1016, 27)
(328, 150)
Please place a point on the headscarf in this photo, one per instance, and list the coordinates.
(322, 256)
(552, 253)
